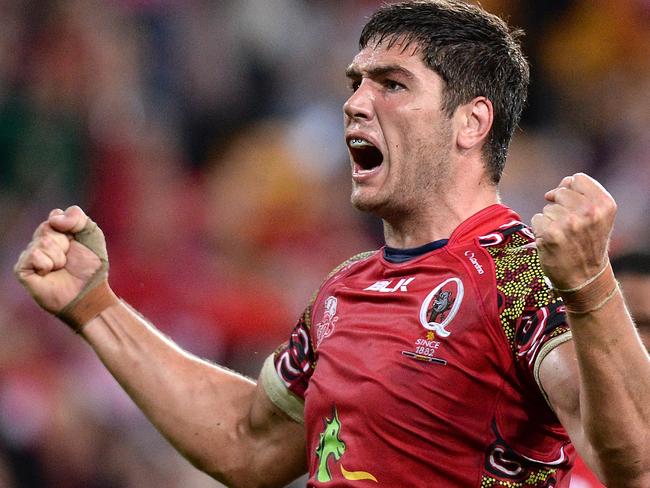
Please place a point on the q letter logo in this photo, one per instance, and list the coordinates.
(441, 305)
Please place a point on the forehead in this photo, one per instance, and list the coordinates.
(405, 54)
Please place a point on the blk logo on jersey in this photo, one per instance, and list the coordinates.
(441, 306)
(386, 286)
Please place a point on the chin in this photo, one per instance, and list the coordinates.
(368, 204)
(360, 201)
(362, 205)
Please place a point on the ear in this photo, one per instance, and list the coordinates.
(473, 122)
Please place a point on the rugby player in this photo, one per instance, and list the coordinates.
(470, 350)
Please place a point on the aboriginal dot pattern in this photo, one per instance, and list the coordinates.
(538, 478)
(520, 281)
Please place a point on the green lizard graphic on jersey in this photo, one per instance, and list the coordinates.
(330, 444)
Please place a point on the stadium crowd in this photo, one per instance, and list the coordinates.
(223, 119)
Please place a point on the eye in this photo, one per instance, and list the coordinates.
(393, 85)
(354, 85)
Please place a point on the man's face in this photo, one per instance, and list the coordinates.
(398, 138)
(636, 288)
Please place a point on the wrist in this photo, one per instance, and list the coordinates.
(593, 294)
(87, 306)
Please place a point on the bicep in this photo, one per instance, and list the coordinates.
(274, 424)
(277, 440)
(560, 379)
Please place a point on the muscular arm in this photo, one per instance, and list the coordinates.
(222, 422)
(599, 383)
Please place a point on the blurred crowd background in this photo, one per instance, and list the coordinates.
(205, 136)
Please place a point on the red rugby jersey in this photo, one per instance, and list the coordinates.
(423, 373)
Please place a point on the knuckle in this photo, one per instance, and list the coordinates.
(60, 259)
(590, 211)
(20, 263)
(573, 223)
(35, 254)
(40, 229)
(45, 241)
(29, 251)
(537, 223)
(553, 234)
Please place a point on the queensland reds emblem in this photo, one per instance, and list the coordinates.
(326, 326)
(441, 305)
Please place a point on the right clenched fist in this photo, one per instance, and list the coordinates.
(65, 262)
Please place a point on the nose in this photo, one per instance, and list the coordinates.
(359, 105)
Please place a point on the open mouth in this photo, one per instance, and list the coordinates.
(364, 154)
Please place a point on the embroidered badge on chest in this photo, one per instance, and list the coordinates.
(437, 311)
(325, 327)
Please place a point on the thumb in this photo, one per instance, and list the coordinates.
(71, 221)
(566, 182)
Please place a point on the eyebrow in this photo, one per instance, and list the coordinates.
(378, 71)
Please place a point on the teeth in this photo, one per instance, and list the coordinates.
(357, 143)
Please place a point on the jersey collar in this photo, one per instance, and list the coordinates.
(489, 219)
(485, 221)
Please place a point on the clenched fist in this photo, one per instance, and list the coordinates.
(572, 233)
(65, 267)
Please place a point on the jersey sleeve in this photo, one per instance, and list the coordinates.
(532, 316)
(538, 332)
(286, 373)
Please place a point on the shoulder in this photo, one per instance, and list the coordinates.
(337, 272)
(522, 287)
(516, 260)
(350, 262)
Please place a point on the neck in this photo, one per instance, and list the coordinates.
(437, 219)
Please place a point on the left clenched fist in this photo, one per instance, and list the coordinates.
(572, 232)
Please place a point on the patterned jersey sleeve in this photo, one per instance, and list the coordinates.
(531, 315)
(286, 373)
(537, 332)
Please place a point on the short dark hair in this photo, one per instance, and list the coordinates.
(473, 51)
